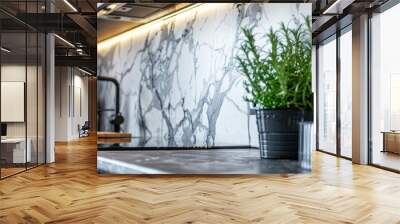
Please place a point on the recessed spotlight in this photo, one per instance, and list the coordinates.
(123, 9)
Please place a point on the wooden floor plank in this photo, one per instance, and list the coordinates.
(70, 191)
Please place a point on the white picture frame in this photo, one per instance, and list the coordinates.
(12, 101)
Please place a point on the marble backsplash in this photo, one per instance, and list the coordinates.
(179, 79)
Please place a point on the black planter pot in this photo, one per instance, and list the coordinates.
(278, 132)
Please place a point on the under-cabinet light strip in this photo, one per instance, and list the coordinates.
(128, 34)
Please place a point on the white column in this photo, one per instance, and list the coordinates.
(314, 90)
(360, 90)
(50, 100)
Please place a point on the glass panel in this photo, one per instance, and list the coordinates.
(32, 86)
(346, 94)
(41, 99)
(385, 87)
(314, 84)
(327, 96)
(31, 100)
(14, 151)
(22, 87)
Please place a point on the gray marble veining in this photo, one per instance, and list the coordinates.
(179, 79)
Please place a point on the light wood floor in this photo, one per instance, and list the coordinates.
(387, 159)
(70, 191)
(10, 171)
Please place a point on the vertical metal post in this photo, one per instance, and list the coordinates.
(338, 76)
(369, 71)
(26, 86)
(0, 92)
(317, 96)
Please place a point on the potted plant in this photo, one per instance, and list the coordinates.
(278, 84)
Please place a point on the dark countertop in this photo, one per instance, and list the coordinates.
(222, 161)
(158, 143)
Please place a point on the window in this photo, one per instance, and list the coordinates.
(346, 93)
(22, 77)
(385, 89)
(327, 96)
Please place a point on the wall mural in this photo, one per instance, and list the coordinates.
(179, 79)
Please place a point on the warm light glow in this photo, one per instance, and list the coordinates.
(129, 34)
(112, 6)
(70, 5)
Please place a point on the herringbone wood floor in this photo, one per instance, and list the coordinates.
(70, 191)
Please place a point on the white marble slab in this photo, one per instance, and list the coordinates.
(179, 79)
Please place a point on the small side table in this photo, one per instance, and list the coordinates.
(13, 150)
(391, 141)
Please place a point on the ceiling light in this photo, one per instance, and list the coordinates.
(84, 71)
(109, 8)
(112, 6)
(334, 5)
(65, 41)
(70, 5)
(338, 6)
(5, 50)
(79, 51)
(123, 9)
